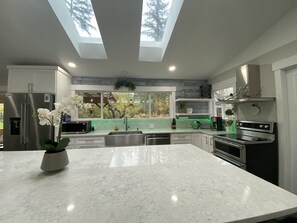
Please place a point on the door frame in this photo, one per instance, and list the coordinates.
(280, 69)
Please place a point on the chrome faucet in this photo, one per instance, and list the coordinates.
(126, 123)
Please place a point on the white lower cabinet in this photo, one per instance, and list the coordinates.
(207, 143)
(71, 144)
(86, 142)
(197, 140)
(181, 138)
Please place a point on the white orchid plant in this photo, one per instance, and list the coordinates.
(55, 118)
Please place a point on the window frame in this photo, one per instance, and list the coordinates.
(139, 89)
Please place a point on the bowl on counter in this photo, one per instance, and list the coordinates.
(195, 124)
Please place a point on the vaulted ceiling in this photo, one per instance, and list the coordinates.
(208, 34)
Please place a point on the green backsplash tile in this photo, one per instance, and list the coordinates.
(111, 124)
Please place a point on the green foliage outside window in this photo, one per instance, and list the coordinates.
(117, 105)
(90, 110)
(131, 105)
(82, 12)
(160, 104)
(156, 19)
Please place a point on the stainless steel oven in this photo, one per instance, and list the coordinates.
(229, 149)
(253, 147)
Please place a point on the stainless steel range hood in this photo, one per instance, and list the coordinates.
(248, 86)
(248, 78)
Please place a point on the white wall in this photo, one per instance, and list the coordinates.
(3, 82)
(281, 33)
(267, 113)
(225, 75)
(3, 88)
(267, 81)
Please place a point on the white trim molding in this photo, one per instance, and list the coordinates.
(103, 88)
(281, 68)
(283, 129)
(285, 64)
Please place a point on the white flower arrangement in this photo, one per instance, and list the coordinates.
(55, 118)
(47, 117)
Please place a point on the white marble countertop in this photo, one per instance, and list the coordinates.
(170, 183)
(149, 131)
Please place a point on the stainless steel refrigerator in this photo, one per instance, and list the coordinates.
(22, 130)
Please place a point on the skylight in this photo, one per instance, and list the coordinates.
(83, 16)
(79, 22)
(154, 19)
(158, 20)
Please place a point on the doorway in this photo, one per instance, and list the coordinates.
(291, 91)
(286, 94)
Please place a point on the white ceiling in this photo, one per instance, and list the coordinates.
(208, 34)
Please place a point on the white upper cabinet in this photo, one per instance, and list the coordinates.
(31, 80)
(39, 79)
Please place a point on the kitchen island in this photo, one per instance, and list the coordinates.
(169, 183)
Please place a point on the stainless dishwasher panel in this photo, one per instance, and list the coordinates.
(158, 139)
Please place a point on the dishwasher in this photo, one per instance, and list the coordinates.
(158, 139)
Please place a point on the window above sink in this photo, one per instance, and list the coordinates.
(147, 102)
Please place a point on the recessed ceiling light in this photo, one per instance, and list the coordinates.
(70, 64)
(172, 68)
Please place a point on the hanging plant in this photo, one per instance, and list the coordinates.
(123, 83)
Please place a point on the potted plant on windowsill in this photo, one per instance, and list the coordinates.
(55, 156)
(230, 118)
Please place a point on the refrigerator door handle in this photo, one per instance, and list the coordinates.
(26, 123)
(23, 124)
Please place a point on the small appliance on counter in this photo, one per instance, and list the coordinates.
(217, 123)
(76, 127)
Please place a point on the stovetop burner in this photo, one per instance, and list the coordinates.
(249, 132)
(243, 137)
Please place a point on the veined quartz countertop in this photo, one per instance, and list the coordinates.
(169, 183)
(149, 131)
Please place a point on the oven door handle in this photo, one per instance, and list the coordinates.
(242, 166)
(228, 143)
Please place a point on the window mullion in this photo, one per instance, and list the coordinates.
(101, 104)
(150, 106)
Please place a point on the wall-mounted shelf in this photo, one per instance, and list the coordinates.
(200, 106)
(248, 100)
(193, 114)
(193, 100)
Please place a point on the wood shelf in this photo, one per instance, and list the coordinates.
(208, 112)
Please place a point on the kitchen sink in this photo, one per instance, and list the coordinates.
(124, 138)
